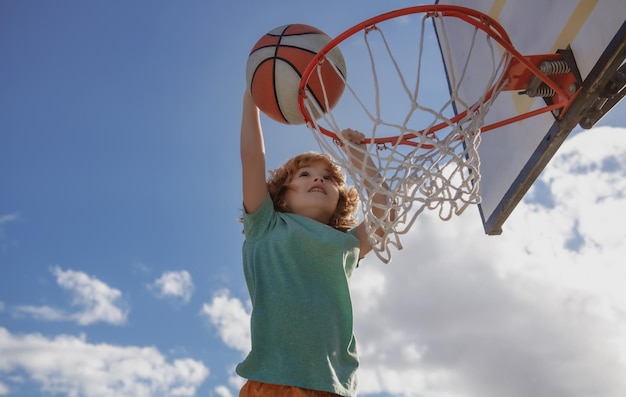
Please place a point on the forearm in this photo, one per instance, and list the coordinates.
(252, 150)
(375, 186)
(372, 179)
(251, 141)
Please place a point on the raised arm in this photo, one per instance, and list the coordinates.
(360, 159)
(252, 153)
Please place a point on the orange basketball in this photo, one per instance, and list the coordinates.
(276, 64)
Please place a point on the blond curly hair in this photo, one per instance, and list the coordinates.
(344, 217)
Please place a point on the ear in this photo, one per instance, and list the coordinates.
(282, 204)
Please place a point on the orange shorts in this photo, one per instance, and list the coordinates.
(253, 388)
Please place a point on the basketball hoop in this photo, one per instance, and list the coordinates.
(426, 152)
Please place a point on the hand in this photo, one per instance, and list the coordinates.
(353, 136)
(356, 148)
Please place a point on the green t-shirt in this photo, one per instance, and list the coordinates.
(297, 272)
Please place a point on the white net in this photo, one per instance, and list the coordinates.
(423, 143)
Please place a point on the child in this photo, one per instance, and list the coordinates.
(301, 246)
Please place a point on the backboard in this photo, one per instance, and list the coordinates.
(593, 32)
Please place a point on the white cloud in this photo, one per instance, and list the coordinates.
(174, 285)
(141, 268)
(4, 389)
(235, 383)
(43, 313)
(456, 326)
(223, 391)
(70, 365)
(6, 219)
(96, 301)
(231, 319)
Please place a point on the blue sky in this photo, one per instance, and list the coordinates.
(120, 267)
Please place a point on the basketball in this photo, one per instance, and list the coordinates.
(275, 67)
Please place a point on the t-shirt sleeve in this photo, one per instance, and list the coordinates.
(257, 223)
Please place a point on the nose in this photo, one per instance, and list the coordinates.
(319, 179)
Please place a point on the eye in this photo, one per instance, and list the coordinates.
(328, 178)
(303, 173)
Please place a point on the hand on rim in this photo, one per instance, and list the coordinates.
(353, 136)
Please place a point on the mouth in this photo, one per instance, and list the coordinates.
(317, 189)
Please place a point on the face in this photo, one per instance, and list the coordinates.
(312, 192)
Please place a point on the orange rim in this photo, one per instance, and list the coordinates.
(476, 18)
